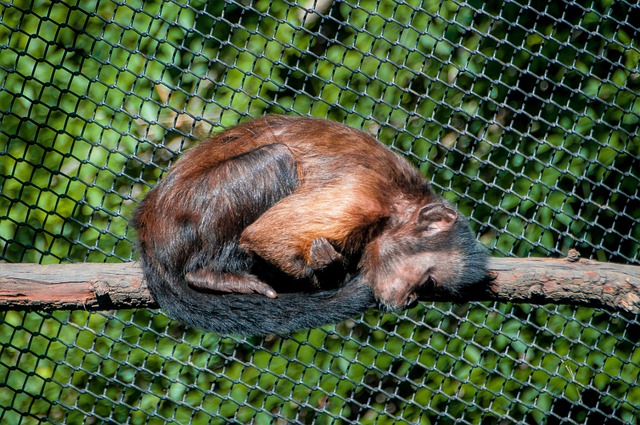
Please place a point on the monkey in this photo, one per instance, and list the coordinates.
(283, 223)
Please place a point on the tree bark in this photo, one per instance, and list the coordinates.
(98, 286)
(80, 286)
(614, 287)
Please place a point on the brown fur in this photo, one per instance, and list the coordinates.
(302, 194)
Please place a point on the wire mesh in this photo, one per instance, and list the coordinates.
(524, 114)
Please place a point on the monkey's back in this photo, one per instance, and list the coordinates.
(325, 153)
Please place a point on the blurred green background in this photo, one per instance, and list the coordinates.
(524, 114)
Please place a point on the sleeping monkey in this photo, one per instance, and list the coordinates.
(283, 223)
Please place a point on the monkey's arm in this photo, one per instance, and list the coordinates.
(299, 233)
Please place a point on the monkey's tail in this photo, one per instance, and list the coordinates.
(249, 314)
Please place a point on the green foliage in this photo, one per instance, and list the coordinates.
(425, 366)
(525, 115)
(527, 124)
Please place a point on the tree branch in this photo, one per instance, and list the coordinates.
(614, 287)
(98, 286)
(80, 286)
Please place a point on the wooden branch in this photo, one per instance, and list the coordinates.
(81, 286)
(98, 286)
(614, 287)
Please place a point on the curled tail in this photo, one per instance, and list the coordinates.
(253, 314)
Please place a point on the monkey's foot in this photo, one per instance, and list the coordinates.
(208, 280)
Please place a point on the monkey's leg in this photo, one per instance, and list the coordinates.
(234, 194)
(297, 232)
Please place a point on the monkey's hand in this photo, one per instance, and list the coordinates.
(322, 254)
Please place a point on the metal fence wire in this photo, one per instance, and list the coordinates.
(523, 113)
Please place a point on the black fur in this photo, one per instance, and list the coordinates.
(252, 314)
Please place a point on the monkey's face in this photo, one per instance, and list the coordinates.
(419, 254)
(398, 281)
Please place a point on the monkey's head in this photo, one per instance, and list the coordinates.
(431, 250)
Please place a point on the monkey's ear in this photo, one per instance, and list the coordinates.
(436, 218)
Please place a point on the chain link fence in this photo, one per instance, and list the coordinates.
(524, 114)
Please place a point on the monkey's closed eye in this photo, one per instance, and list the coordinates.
(426, 281)
(430, 282)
